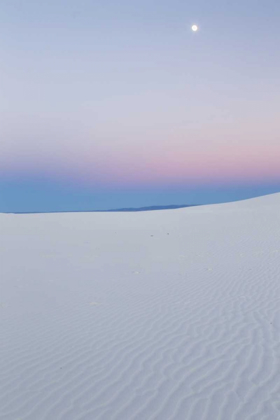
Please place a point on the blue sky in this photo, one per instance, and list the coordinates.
(115, 104)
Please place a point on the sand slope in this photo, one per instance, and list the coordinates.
(158, 315)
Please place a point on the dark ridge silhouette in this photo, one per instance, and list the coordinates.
(150, 208)
(129, 209)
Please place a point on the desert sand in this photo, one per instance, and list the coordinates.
(159, 315)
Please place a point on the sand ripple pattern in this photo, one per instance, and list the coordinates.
(171, 315)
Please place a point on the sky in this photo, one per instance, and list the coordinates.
(109, 104)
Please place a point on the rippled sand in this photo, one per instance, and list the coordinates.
(142, 316)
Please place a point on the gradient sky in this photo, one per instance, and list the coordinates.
(108, 104)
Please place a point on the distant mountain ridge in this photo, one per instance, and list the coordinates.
(150, 208)
(129, 209)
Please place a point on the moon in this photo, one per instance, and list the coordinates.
(194, 28)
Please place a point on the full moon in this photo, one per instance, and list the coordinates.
(194, 28)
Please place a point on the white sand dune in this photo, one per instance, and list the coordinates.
(139, 316)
